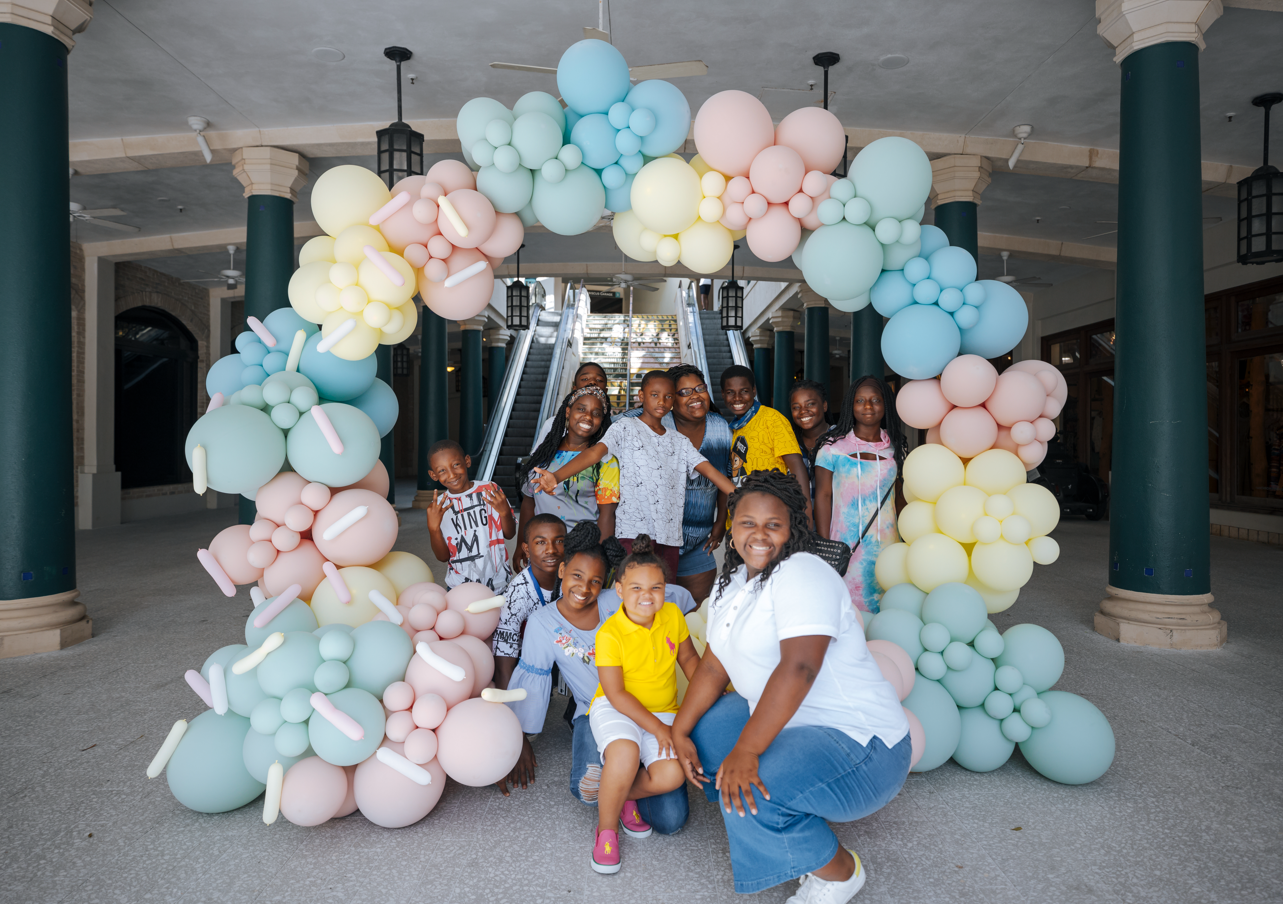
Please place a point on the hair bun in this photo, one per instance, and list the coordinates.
(584, 535)
(643, 545)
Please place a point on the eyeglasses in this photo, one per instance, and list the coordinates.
(690, 390)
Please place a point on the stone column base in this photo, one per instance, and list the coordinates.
(422, 499)
(1161, 620)
(42, 624)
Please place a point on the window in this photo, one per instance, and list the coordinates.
(1085, 427)
(1259, 425)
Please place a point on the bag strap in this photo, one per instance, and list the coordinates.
(876, 512)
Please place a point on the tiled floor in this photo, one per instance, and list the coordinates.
(1192, 809)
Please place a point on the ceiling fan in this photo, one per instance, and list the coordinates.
(628, 281)
(231, 277)
(78, 212)
(636, 73)
(1027, 282)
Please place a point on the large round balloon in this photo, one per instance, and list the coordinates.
(1036, 652)
(894, 175)
(331, 744)
(207, 771)
(335, 378)
(466, 299)
(313, 791)
(573, 205)
(918, 341)
(666, 195)
(346, 196)
(981, 744)
(733, 127)
(706, 247)
(380, 403)
(592, 76)
(243, 448)
(817, 136)
(389, 799)
(937, 712)
(366, 540)
(672, 115)
(312, 456)
(508, 192)
(380, 654)
(1003, 321)
(843, 261)
(480, 742)
(1076, 747)
(473, 118)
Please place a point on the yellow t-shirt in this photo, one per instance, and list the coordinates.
(647, 656)
(770, 437)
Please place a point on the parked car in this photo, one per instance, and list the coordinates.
(1076, 488)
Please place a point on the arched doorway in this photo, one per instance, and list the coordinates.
(155, 397)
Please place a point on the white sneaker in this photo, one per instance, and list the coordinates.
(814, 890)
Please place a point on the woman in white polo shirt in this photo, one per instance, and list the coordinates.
(813, 732)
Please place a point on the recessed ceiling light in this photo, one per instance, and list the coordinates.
(328, 54)
(162, 199)
(893, 61)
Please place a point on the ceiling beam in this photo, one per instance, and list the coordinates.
(147, 247)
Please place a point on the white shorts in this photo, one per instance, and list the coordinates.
(609, 724)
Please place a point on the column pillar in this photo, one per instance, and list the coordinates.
(496, 343)
(866, 344)
(272, 178)
(1159, 545)
(434, 399)
(815, 362)
(471, 405)
(785, 324)
(957, 182)
(98, 500)
(387, 447)
(39, 611)
(762, 341)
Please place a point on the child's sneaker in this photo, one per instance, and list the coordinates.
(605, 852)
(630, 818)
(814, 890)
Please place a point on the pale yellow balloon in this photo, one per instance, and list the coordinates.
(665, 195)
(712, 183)
(353, 298)
(986, 529)
(935, 559)
(345, 196)
(360, 580)
(957, 509)
(711, 210)
(1036, 502)
(700, 166)
(738, 234)
(1045, 550)
(891, 567)
(358, 344)
(908, 493)
(328, 298)
(999, 506)
(395, 321)
(706, 247)
(343, 274)
(917, 519)
(995, 471)
(1016, 529)
(372, 279)
(409, 320)
(931, 469)
(304, 283)
(995, 600)
(320, 248)
(403, 569)
(1002, 565)
(628, 230)
(349, 245)
(376, 314)
(649, 241)
(668, 251)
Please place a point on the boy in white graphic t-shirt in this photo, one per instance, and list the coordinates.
(469, 522)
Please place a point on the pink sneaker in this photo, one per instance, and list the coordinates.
(605, 852)
(630, 818)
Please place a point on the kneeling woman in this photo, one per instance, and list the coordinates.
(813, 725)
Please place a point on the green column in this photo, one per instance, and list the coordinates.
(387, 451)
(37, 532)
(958, 221)
(783, 369)
(761, 372)
(866, 344)
(434, 401)
(497, 364)
(815, 362)
(471, 405)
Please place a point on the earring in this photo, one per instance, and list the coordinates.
(730, 544)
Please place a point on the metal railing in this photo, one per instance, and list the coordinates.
(498, 425)
(738, 353)
(565, 332)
(695, 331)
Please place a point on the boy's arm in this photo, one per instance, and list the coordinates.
(687, 658)
(612, 684)
(720, 480)
(504, 666)
(606, 519)
(436, 513)
(547, 480)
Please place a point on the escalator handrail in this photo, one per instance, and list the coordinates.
(696, 333)
(565, 329)
(498, 425)
(738, 353)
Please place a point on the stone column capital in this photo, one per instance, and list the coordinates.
(811, 298)
(57, 18)
(762, 337)
(499, 337)
(1129, 25)
(269, 171)
(783, 321)
(474, 323)
(959, 177)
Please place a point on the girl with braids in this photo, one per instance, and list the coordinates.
(808, 410)
(857, 469)
(812, 733)
(590, 495)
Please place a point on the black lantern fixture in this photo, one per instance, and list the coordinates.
(1260, 203)
(400, 147)
(731, 299)
(518, 300)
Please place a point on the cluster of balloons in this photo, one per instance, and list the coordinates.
(977, 693)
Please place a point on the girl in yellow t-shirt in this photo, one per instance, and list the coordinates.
(638, 650)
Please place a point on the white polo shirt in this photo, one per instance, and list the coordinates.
(805, 597)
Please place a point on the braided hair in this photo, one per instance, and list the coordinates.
(543, 454)
(585, 539)
(891, 422)
(643, 554)
(801, 535)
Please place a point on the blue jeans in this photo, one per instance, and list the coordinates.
(666, 813)
(815, 776)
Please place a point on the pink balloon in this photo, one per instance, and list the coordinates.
(299, 517)
(776, 173)
(891, 673)
(261, 553)
(399, 725)
(276, 496)
(477, 214)
(427, 680)
(482, 624)
(433, 190)
(921, 404)
(1051, 410)
(376, 482)
(733, 217)
(421, 746)
(814, 183)
(403, 229)
(389, 799)
(349, 803)
(230, 549)
(737, 190)
(1039, 368)
(470, 297)
(427, 636)
(363, 543)
(479, 742)
(968, 380)
(896, 654)
(1044, 430)
(405, 626)
(426, 592)
(435, 271)
(285, 539)
(425, 212)
(731, 128)
(1004, 440)
(398, 695)
(506, 238)
(774, 237)
(429, 711)
(917, 738)
(812, 220)
(1019, 396)
(313, 791)
(451, 175)
(482, 660)
(416, 255)
(1023, 432)
(755, 206)
(816, 135)
(301, 565)
(261, 529)
(800, 204)
(315, 496)
(449, 624)
(1033, 453)
(494, 261)
(439, 247)
(966, 432)
(933, 435)
(422, 616)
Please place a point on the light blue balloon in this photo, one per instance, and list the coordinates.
(842, 191)
(642, 122)
(259, 753)
(1002, 322)
(916, 269)
(336, 646)
(1020, 697)
(981, 744)
(537, 137)
(1036, 652)
(935, 637)
(891, 293)
(508, 192)
(283, 323)
(266, 717)
(904, 596)
(225, 376)
(894, 175)
(542, 102)
(251, 395)
(331, 676)
(595, 136)
(334, 377)
(933, 239)
(311, 456)
(970, 686)
(254, 374)
(243, 690)
(998, 705)
(207, 771)
(904, 629)
(613, 177)
(627, 142)
(570, 156)
(919, 341)
(932, 665)
(335, 747)
(382, 652)
(591, 76)
(1036, 713)
(290, 665)
(966, 317)
(829, 211)
(988, 643)
(291, 739)
(296, 706)
(950, 300)
(552, 170)
(572, 206)
(571, 118)
(926, 291)
(380, 403)
(506, 159)
(973, 294)
(1008, 678)
(1077, 747)
(959, 607)
(631, 164)
(243, 448)
(483, 153)
(952, 267)
(842, 261)
(499, 132)
(941, 724)
(244, 339)
(671, 111)
(1015, 728)
(957, 656)
(275, 362)
(472, 120)
(618, 114)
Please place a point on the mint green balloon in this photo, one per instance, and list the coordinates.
(542, 102)
(982, 747)
(243, 691)
(970, 686)
(266, 717)
(573, 205)
(330, 629)
(508, 192)
(331, 676)
(297, 616)
(842, 261)
(1077, 747)
(904, 596)
(903, 629)
(988, 643)
(224, 656)
(1025, 693)
(279, 386)
(958, 607)
(335, 747)
(1008, 678)
(382, 652)
(934, 636)
(998, 705)
(932, 665)
(311, 456)
(291, 739)
(1036, 652)
(336, 645)
(957, 656)
(1015, 728)
(259, 753)
(243, 448)
(472, 120)
(941, 725)
(537, 138)
(207, 771)
(296, 706)
(1036, 712)
(894, 175)
(290, 665)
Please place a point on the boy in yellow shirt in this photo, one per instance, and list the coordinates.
(762, 438)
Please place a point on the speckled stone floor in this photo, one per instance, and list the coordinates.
(1192, 809)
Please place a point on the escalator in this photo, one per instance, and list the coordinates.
(717, 349)
(707, 345)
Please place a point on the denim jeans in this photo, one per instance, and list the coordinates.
(815, 776)
(666, 813)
